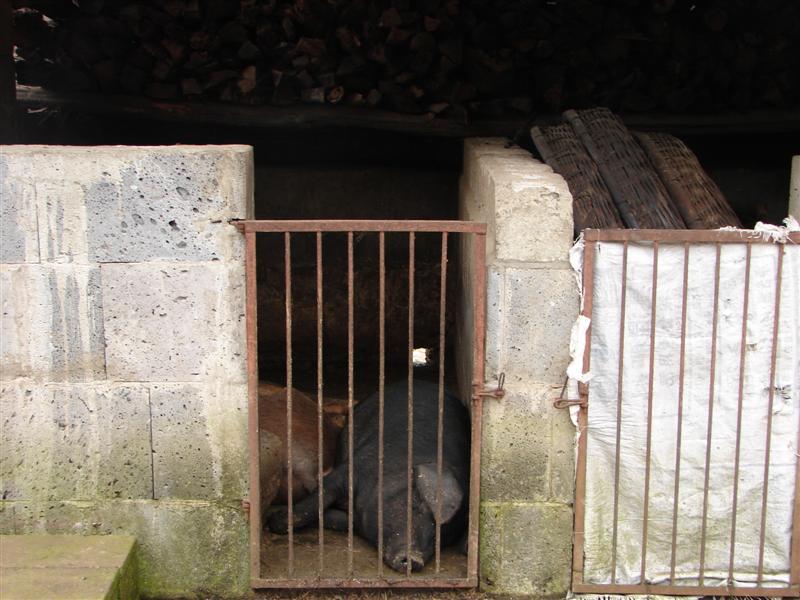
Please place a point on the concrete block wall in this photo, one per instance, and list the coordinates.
(123, 397)
(527, 469)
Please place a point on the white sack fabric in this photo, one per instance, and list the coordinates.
(754, 419)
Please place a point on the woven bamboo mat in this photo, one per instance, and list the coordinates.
(592, 205)
(637, 190)
(693, 192)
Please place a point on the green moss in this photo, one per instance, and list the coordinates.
(526, 548)
(6, 517)
(184, 547)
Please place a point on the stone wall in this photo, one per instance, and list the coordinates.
(122, 380)
(123, 393)
(527, 467)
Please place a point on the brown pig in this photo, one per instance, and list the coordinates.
(272, 441)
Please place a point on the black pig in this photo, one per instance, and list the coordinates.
(454, 484)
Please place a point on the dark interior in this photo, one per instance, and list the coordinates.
(343, 192)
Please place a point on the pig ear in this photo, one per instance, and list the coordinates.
(426, 480)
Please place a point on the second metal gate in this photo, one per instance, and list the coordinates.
(688, 468)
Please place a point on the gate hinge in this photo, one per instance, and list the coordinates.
(496, 393)
(246, 508)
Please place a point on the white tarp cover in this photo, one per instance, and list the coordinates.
(602, 429)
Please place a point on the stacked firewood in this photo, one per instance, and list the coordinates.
(452, 58)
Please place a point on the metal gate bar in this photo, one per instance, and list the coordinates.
(710, 422)
(657, 237)
(768, 442)
(287, 228)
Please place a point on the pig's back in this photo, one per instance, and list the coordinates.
(425, 423)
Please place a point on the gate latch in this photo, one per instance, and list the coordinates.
(246, 508)
(496, 393)
(583, 395)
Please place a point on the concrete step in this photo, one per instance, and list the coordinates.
(67, 567)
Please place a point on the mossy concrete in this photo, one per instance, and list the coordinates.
(123, 397)
(68, 567)
(182, 544)
(527, 458)
(526, 548)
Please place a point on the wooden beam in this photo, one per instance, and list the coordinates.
(296, 117)
(312, 117)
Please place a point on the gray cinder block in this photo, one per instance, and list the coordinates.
(64, 441)
(51, 323)
(535, 542)
(174, 322)
(19, 237)
(199, 440)
(516, 446)
(541, 305)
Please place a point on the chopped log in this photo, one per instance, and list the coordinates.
(313, 95)
(335, 95)
(191, 87)
(247, 81)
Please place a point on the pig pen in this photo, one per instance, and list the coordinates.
(343, 359)
(131, 331)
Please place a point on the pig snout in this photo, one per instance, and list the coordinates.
(398, 559)
(427, 485)
(397, 554)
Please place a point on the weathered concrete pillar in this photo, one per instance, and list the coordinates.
(123, 395)
(532, 301)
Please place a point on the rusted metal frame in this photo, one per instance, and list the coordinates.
(650, 378)
(287, 256)
(410, 409)
(679, 236)
(350, 425)
(793, 589)
(687, 590)
(679, 436)
(739, 409)
(478, 378)
(320, 410)
(381, 385)
(321, 582)
(440, 421)
(794, 553)
(351, 583)
(776, 317)
(583, 419)
(617, 455)
(710, 422)
(251, 325)
(340, 226)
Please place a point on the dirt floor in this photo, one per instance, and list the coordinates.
(378, 595)
(306, 564)
(274, 552)
(364, 595)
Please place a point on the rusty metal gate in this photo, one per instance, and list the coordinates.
(699, 547)
(473, 247)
